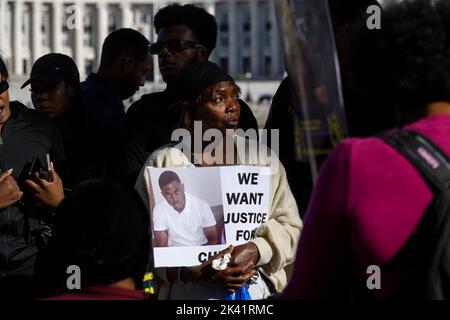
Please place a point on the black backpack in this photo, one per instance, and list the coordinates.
(421, 270)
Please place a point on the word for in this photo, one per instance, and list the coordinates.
(245, 234)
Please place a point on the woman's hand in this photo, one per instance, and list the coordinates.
(244, 253)
(240, 268)
(203, 272)
(235, 276)
(49, 194)
(10, 192)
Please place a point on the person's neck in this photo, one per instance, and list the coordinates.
(127, 283)
(108, 76)
(438, 108)
(211, 158)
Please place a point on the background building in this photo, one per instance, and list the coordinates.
(248, 43)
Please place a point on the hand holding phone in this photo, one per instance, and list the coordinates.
(46, 171)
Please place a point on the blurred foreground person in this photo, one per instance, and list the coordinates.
(372, 210)
(26, 138)
(101, 246)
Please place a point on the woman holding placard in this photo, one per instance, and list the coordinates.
(209, 95)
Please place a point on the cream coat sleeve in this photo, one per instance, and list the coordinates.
(277, 238)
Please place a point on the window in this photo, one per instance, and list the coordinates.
(246, 64)
(88, 34)
(224, 40)
(45, 27)
(268, 65)
(66, 33)
(112, 22)
(224, 27)
(88, 66)
(247, 40)
(224, 64)
(25, 66)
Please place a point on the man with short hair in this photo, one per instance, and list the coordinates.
(124, 62)
(184, 220)
(186, 34)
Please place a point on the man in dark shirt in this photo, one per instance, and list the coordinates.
(186, 34)
(124, 63)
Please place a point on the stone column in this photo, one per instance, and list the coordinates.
(3, 35)
(102, 27)
(156, 74)
(211, 7)
(275, 47)
(126, 15)
(17, 38)
(56, 26)
(255, 43)
(232, 38)
(36, 8)
(78, 43)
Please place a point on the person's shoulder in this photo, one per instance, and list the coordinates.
(31, 115)
(148, 107)
(194, 198)
(167, 156)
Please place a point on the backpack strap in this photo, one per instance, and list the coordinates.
(429, 159)
(434, 165)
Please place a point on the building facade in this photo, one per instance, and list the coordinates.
(248, 44)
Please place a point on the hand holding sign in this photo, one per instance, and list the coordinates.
(205, 271)
(243, 254)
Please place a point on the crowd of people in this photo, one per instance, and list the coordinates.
(74, 189)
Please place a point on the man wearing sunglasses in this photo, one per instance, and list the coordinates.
(186, 34)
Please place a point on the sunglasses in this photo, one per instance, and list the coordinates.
(174, 46)
(3, 86)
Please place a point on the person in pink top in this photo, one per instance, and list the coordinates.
(369, 199)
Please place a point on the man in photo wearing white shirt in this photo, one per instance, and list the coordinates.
(183, 219)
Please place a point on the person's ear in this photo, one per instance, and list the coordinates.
(186, 118)
(126, 63)
(203, 54)
(71, 92)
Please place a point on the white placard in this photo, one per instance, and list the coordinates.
(235, 199)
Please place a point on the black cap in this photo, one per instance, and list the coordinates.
(53, 68)
(196, 77)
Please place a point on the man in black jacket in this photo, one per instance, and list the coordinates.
(25, 134)
(186, 34)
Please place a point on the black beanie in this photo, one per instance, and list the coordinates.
(196, 77)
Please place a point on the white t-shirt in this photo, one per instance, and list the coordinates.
(185, 228)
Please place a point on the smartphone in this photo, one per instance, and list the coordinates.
(43, 170)
(46, 170)
(34, 167)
